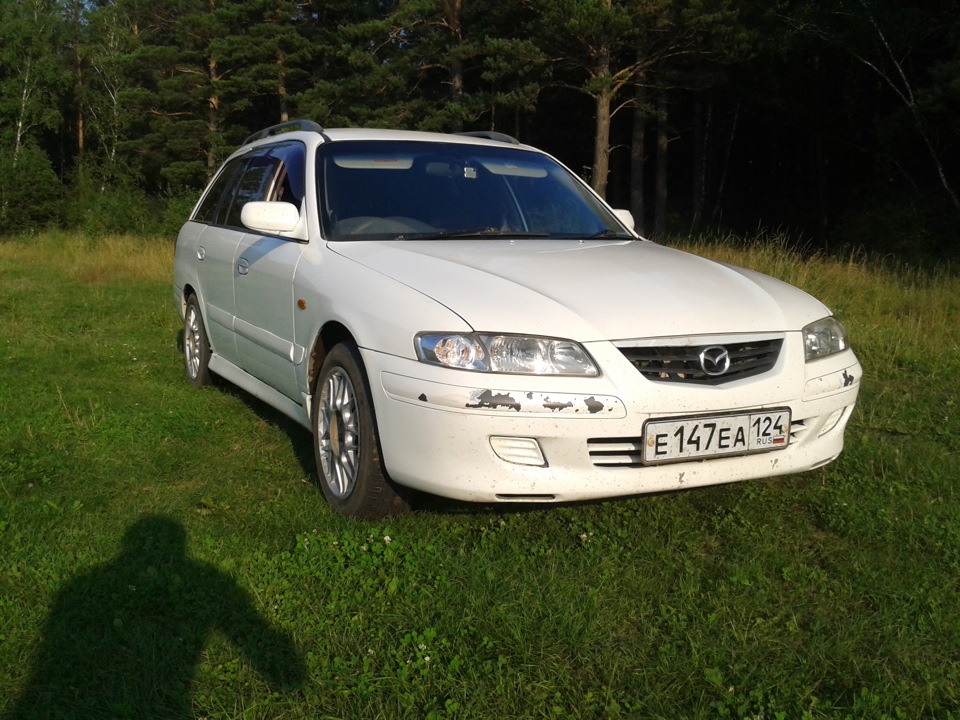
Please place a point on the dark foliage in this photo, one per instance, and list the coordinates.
(824, 121)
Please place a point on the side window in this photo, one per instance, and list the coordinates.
(290, 181)
(272, 173)
(207, 211)
(255, 184)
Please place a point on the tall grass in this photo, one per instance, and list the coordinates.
(99, 260)
(891, 309)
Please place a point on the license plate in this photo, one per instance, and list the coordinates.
(701, 437)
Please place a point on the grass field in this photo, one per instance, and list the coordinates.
(164, 554)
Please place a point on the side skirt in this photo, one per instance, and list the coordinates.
(245, 381)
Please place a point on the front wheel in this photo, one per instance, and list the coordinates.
(346, 443)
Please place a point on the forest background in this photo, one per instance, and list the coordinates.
(833, 123)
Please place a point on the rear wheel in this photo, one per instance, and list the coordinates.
(346, 442)
(196, 346)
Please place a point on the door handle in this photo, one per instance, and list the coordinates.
(243, 266)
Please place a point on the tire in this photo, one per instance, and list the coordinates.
(346, 443)
(196, 346)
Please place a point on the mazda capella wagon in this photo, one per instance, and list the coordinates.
(462, 315)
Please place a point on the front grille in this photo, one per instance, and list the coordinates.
(616, 452)
(682, 363)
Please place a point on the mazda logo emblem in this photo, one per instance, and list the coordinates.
(714, 360)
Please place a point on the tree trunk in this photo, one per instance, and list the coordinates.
(721, 186)
(456, 93)
(820, 164)
(637, 156)
(78, 60)
(601, 146)
(213, 107)
(452, 14)
(282, 87)
(660, 189)
(80, 127)
(21, 121)
(213, 117)
(701, 140)
(601, 143)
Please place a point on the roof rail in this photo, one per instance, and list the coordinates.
(308, 125)
(491, 135)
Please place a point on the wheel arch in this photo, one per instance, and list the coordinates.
(330, 335)
(188, 290)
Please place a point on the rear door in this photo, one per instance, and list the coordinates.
(216, 250)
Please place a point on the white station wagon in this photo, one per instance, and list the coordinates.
(461, 315)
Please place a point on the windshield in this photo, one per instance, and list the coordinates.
(374, 190)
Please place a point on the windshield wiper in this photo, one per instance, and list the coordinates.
(467, 234)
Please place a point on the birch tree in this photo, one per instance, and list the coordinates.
(113, 40)
(31, 80)
(32, 72)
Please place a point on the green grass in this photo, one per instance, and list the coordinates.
(827, 595)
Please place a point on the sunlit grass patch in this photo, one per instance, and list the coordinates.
(825, 595)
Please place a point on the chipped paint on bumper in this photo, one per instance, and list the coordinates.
(442, 396)
(834, 382)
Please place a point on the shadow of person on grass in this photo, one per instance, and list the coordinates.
(124, 640)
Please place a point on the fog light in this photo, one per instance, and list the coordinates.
(520, 451)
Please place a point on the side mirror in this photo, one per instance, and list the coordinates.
(626, 217)
(270, 217)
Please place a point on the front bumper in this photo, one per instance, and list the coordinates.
(436, 426)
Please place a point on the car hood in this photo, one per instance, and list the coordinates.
(587, 290)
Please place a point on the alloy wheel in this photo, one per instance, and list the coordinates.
(339, 433)
(192, 342)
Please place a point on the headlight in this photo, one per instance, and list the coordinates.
(518, 354)
(824, 337)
